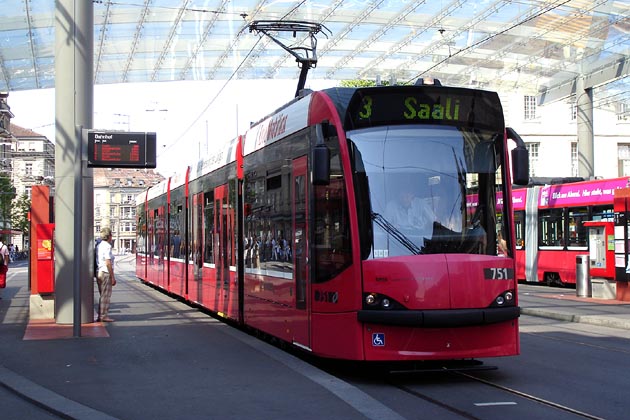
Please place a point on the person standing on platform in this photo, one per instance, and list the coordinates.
(105, 276)
(4, 267)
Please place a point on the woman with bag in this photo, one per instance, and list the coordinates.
(4, 265)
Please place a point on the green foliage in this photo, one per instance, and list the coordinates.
(7, 194)
(19, 213)
(359, 83)
(356, 83)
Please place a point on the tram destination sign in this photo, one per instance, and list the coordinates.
(437, 105)
(113, 149)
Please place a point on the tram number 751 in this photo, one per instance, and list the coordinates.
(498, 273)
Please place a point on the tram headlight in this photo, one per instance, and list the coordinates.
(378, 301)
(507, 298)
(385, 303)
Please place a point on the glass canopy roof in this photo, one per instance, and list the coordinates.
(538, 47)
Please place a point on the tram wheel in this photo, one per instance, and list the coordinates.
(553, 280)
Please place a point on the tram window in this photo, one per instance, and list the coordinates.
(603, 213)
(156, 232)
(208, 226)
(141, 232)
(268, 213)
(333, 251)
(519, 228)
(175, 229)
(551, 224)
(578, 235)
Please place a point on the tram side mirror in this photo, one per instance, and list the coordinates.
(520, 159)
(520, 166)
(321, 158)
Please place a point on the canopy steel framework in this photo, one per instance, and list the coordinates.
(539, 47)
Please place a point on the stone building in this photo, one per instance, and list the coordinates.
(115, 192)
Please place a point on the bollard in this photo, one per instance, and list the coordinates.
(583, 285)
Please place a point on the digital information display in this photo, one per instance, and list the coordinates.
(438, 105)
(121, 149)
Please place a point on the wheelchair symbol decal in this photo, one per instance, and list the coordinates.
(378, 339)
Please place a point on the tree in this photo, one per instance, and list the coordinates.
(7, 194)
(19, 215)
(361, 83)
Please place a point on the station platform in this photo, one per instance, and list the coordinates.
(162, 359)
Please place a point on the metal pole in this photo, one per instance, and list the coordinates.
(76, 272)
(74, 56)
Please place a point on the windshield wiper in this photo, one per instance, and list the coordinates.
(397, 234)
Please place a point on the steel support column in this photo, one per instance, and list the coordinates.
(585, 137)
(74, 56)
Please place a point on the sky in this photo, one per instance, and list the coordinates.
(189, 117)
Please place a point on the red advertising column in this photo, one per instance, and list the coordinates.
(41, 213)
(45, 258)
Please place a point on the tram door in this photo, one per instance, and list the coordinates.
(223, 249)
(160, 242)
(150, 246)
(301, 331)
(195, 287)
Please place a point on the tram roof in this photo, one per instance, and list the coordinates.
(538, 47)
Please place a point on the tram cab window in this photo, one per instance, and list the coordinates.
(333, 251)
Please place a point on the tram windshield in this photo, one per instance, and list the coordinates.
(432, 189)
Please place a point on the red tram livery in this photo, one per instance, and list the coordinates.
(340, 224)
(552, 224)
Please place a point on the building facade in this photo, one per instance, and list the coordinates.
(33, 157)
(115, 192)
(550, 132)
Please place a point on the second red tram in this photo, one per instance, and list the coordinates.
(551, 223)
(291, 228)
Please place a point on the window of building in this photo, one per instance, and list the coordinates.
(623, 112)
(529, 107)
(128, 227)
(27, 192)
(28, 168)
(128, 212)
(573, 111)
(532, 148)
(623, 159)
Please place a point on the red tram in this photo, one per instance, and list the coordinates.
(287, 229)
(551, 223)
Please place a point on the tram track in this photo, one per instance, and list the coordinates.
(466, 414)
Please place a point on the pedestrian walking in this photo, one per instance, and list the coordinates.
(4, 266)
